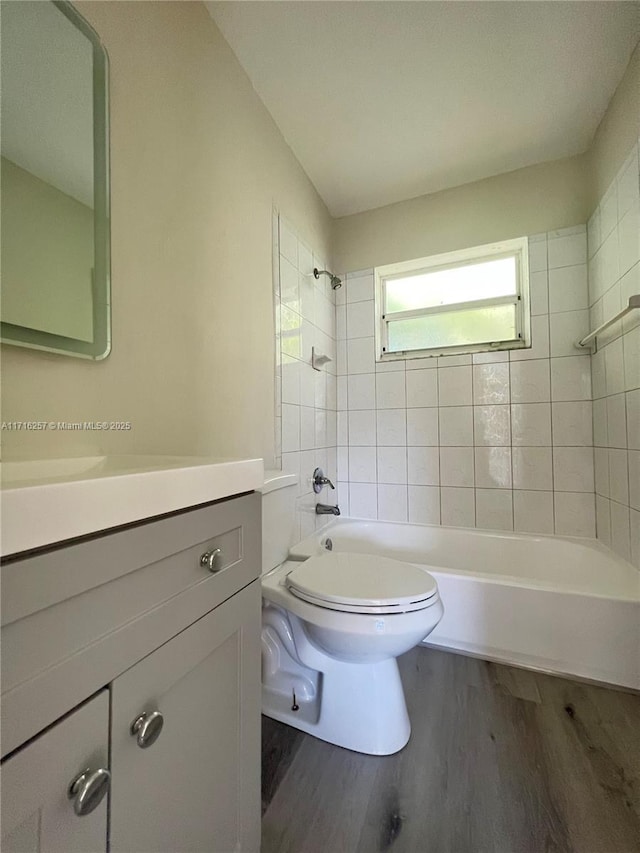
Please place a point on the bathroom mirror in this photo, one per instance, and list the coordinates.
(55, 181)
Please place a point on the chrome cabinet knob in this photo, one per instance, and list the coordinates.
(208, 559)
(88, 789)
(147, 728)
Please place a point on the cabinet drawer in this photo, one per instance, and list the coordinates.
(76, 611)
(37, 814)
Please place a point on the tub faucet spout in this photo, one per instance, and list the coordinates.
(324, 509)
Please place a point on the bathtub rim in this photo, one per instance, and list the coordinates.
(484, 577)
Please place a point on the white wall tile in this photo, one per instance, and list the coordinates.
(593, 233)
(634, 479)
(458, 507)
(362, 464)
(288, 243)
(634, 524)
(490, 384)
(422, 388)
(341, 322)
(361, 391)
(492, 425)
(493, 467)
(601, 470)
(424, 504)
(289, 290)
(290, 428)
(422, 427)
(392, 427)
(573, 469)
(631, 355)
(633, 419)
(359, 288)
(628, 181)
(539, 293)
(568, 250)
(456, 426)
(574, 514)
(619, 476)
(307, 428)
(568, 288)
(494, 509)
(538, 254)
(363, 500)
(455, 386)
(532, 468)
(531, 424)
(390, 391)
(343, 428)
(614, 366)
(572, 424)
(570, 379)
(629, 239)
(530, 381)
(603, 520)
(392, 465)
(456, 466)
(423, 466)
(533, 512)
(360, 319)
(620, 530)
(392, 503)
(565, 329)
(290, 380)
(362, 427)
(616, 421)
(360, 355)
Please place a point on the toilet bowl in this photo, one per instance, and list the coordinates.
(332, 627)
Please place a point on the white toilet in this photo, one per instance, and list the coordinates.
(332, 627)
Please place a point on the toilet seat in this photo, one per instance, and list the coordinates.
(362, 583)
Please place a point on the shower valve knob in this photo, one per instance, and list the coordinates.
(319, 480)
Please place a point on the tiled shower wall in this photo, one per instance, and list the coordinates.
(614, 276)
(305, 402)
(494, 440)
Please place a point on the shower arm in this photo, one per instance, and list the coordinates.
(335, 281)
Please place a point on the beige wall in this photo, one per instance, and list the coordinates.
(617, 133)
(197, 164)
(47, 256)
(539, 198)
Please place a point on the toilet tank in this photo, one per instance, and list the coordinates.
(279, 494)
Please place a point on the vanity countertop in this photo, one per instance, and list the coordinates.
(43, 502)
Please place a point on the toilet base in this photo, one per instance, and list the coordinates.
(357, 706)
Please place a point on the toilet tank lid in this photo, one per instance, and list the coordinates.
(277, 480)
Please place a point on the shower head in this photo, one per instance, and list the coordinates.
(335, 281)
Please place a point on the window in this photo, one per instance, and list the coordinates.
(474, 300)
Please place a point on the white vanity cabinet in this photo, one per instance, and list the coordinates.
(38, 811)
(137, 652)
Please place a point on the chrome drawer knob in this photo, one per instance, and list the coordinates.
(208, 559)
(88, 789)
(147, 728)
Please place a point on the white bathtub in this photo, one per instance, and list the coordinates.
(563, 605)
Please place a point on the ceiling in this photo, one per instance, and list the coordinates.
(384, 101)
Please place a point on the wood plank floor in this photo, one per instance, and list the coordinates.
(500, 759)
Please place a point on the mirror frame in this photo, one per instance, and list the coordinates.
(100, 347)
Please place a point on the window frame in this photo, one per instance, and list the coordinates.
(518, 248)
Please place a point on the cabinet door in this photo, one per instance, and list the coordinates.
(37, 814)
(197, 787)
